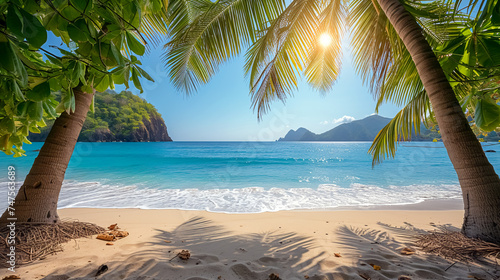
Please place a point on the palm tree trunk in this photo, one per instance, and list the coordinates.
(37, 198)
(478, 180)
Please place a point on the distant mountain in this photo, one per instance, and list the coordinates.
(122, 117)
(300, 134)
(360, 130)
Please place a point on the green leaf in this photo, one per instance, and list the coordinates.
(33, 30)
(4, 144)
(77, 73)
(65, 52)
(92, 105)
(72, 101)
(49, 106)
(136, 81)
(132, 13)
(79, 31)
(144, 73)
(118, 77)
(126, 76)
(35, 110)
(134, 44)
(14, 21)
(107, 55)
(102, 84)
(18, 94)
(92, 29)
(71, 13)
(110, 35)
(24, 59)
(50, 21)
(22, 109)
(11, 62)
(31, 6)
(7, 124)
(85, 48)
(25, 130)
(40, 92)
(54, 60)
(87, 89)
(81, 5)
(487, 115)
(34, 129)
(117, 55)
(8, 57)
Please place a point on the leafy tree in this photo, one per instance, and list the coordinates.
(100, 39)
(389, 37)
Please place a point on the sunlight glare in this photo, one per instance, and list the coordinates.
(325, 39)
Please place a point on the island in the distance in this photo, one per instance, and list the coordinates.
(118, 117)
(363, 130)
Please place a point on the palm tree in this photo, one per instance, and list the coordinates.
(285, 46)
(478, 180)
(105, 36)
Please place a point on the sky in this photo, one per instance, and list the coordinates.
(221, 110)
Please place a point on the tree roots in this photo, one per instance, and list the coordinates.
(36, 241)
(455, 245)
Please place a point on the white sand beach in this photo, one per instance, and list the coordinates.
(294, 244)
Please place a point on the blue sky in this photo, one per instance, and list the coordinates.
(221, 110)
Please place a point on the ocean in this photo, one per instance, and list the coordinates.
(248, 177)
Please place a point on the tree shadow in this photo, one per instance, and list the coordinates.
(383, 248)
(215, 251)
(219, 253)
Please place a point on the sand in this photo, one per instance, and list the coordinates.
(294, 244)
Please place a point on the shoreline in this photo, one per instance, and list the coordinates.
(293, 244)
(426, 205)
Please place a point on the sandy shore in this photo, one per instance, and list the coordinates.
(294, 244)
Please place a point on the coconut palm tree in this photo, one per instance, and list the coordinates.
(285, 45)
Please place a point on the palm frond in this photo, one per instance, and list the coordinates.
(372, 48)
(289, 46)
(155, 21)
(275, 60)
(205, 34)
(180, 14)
(401, 83)
(400, 128)
(379, 54)
(386, 65)
(325, 61)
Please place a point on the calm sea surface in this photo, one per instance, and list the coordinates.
(248, 176)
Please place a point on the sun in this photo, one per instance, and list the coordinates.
(325, 39)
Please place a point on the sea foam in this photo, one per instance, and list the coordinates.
(250, 199)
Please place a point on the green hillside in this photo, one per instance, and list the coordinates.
(118, 117)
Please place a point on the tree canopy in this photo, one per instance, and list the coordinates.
(99, 40)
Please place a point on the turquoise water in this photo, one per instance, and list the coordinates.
(249, 176)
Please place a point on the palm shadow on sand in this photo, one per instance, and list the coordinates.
(383, 248)
(216, 251)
